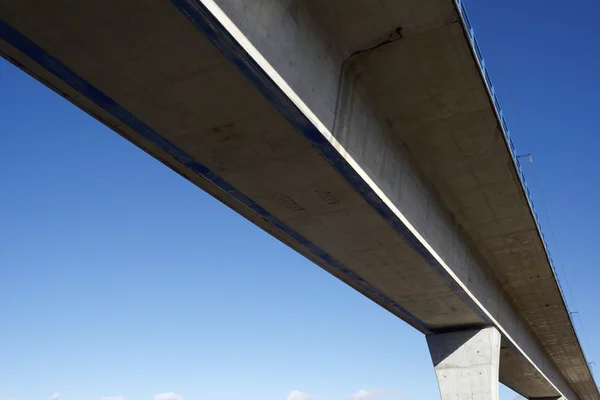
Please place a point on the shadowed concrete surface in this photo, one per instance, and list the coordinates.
(467, 363)
(359, 133)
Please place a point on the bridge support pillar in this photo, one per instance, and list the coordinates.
(467, 363)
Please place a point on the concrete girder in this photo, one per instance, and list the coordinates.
(294, 157)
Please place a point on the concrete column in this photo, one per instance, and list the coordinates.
(467, 363)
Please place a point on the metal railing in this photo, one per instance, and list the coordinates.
(506, 132)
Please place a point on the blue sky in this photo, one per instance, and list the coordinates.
(119, 279)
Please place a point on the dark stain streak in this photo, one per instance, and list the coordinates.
(391, 37)
(292, 10)
(223, 128)
(398, 31)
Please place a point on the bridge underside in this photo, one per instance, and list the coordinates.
(362, 136)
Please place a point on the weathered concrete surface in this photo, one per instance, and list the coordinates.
(453, 135)
(467, 363)
(343, 159)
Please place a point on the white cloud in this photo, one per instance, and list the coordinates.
(113, 398)
(55, 396)
(297, 395)
(363, 394)
(372, 394)
(168, 396)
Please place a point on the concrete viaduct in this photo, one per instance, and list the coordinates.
(364, 134)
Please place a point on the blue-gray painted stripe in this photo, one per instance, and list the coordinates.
(37, 54)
